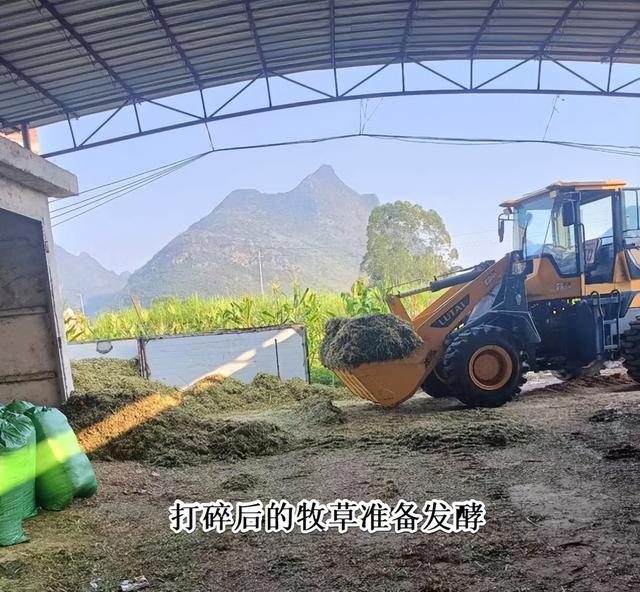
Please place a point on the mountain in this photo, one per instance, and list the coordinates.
(315, 234)
(83, 275)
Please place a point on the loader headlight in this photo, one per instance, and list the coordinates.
(518, 267)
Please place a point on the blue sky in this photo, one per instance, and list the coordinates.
(463, 183)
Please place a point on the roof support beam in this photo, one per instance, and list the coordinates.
(514, 67)
(408, 26)
(558, 26)
(256, 41)
(302, 84)
(33, 84)
(630, 33)
(483, 27)
(350, 97)
(428, 69)
(157, 16)
(332, 43)
(70, 30)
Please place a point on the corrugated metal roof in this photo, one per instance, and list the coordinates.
(75, 57)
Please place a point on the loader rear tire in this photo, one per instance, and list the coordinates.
(630, 349)
(435, 387)
(484, 366)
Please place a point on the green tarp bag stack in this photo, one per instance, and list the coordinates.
(17, 475)
(64, 471)
(20, 407)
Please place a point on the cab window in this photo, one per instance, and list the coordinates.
(540, 232)
(599, 251)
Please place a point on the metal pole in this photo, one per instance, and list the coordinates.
(82, 304)
(260, 270)
(275, 342)
(26, 139)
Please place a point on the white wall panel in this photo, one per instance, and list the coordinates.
(184, 359)
(122, 348)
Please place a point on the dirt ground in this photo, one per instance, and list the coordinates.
(557, 470)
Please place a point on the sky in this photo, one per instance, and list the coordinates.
(464, 184)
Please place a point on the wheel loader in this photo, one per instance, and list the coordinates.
(566, 299)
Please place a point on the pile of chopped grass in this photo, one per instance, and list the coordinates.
(177, 438)
(100, 375)
(121, 416)
(240, 482)
(331, 328)
(370, 338)
(105, 386)
(265, 391)
(460, 436)
(319, 411)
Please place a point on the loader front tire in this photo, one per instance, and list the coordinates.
(435, 387)
(484, 366)
(630, 349)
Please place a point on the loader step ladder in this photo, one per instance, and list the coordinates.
(609, 308)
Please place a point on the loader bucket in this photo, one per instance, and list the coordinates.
(387, 383)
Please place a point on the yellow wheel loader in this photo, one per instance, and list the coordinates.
(566, 299)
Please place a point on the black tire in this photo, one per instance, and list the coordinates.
(475, 348)
(630, 349)
(435, 387)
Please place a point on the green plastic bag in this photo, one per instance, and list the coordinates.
(27, 487)
(20, 407)
(63, 469)
(17, 474)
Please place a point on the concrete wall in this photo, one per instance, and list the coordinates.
(34, 139)
(33, 362)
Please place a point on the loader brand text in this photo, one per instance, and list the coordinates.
(448, 317)
(341, 515)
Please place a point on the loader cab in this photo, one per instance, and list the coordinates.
(630, 229)
(570, 230)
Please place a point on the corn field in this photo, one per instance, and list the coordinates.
(173, 316)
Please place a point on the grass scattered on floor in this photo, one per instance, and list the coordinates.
(464, 434)
(319, 411)
(240, 482)
(167, 427)
(72, 540)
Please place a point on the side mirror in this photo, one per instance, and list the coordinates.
(501, 229)
(568, 213)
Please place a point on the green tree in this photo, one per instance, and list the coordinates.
(405, 242)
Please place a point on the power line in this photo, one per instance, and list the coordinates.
(129, 177)
(91, 203)
(554, 110)
(124, 192)
(115, 192)
(104, 196)
(149, 172)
